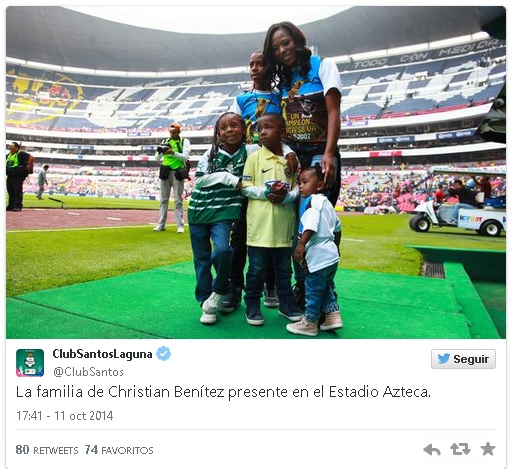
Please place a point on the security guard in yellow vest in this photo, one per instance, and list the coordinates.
(16, 169)
(174, 154)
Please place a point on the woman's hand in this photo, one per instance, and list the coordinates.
(328, 169)
(328, 158)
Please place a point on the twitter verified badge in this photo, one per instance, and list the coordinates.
(463, 359)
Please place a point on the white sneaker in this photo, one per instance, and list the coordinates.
(210, 307)
(159, 228)
(211, 304)
(180, 229)
(208, 318)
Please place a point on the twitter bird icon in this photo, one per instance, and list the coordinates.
(443, 358)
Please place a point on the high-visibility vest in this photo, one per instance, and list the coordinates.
(12, 160)
(172, 161)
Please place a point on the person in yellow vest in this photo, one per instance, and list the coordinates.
(174, 154)
(17, 170)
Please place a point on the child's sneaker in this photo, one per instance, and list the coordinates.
(333, 322)
(208, 318)
(231, 301)
(270, 298)
(211, 304)
(291, 315)
(304, 327)
(254, 315)
(210, 307)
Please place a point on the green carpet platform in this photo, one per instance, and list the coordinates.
(159, 303)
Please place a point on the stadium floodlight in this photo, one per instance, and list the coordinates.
(341, 58)
(480, 35)
(408, 49)
(140, 74)
(29, 63)
(10, 60)
(114, 73)
(450, 42)
(370, 55)
(79, 70)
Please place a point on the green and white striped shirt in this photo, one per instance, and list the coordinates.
(215, 197)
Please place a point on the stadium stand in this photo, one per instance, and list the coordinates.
(411, 108)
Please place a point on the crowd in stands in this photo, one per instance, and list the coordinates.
(98, 182)
(71, 104)
(400, 187)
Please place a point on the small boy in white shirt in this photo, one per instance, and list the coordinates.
(317, 252)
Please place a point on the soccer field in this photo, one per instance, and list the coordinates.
(39, 260)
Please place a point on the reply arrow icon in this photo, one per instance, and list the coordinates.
(430, 450)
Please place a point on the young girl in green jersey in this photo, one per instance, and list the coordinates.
(214, 206)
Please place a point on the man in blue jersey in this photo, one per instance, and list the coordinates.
(259, 99)
(251, 105)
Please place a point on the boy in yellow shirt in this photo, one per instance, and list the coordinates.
(271, 219)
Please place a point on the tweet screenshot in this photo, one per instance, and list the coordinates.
(159, 403)
(255, 236)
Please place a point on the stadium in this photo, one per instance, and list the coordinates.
(92, 98)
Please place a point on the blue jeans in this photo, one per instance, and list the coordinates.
(220, 257)
(258, 259)
(319, 293)
(456, 209)
(331, 194)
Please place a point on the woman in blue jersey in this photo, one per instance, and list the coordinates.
(310, 91)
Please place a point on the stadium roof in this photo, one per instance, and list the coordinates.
(59, 36)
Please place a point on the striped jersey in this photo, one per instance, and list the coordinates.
(215, 197)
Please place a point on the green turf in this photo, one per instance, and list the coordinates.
(126, 281)
(160, 303)
(480, 324)
(493, 296)
(73, 201)
(49, 259)
(371, 243)
(31, 320)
